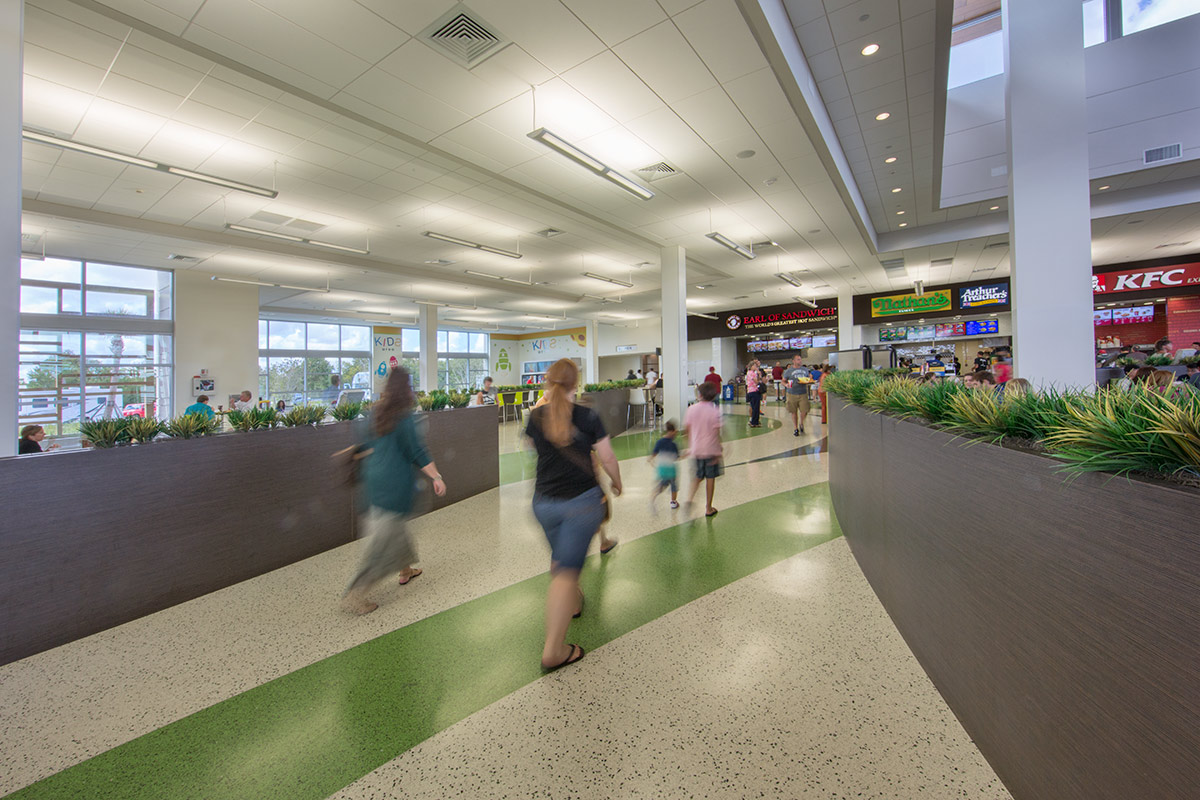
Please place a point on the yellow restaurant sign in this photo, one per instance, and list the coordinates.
(910, 304)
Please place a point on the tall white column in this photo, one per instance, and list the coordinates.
(427, 321)
(849, 335)
(1049, 217)
(673, 363)
(591, 353)
(11, 70)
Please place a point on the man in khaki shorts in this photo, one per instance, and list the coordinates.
(797, 380)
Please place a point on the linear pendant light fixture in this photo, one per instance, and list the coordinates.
(702, 314)
(441, 237)
(271, 285)
(497, 277)
(102, 152)
(725, 241)
(805, 301)
(594, 165)
(287, 237)
(607, 279)
(783, 276)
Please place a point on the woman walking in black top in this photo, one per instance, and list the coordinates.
(567, 500)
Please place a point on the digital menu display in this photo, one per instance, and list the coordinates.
(802, 342)
(919, 332)
(982, 326)
(1133, 314)
(824, 340)
(893, 334)
(1102, 316)
(950, 329)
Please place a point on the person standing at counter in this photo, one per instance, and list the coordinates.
(777, 379)
(797, 380)
(395, 453)
(201, 407)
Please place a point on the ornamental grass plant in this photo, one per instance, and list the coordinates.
(1144, 431)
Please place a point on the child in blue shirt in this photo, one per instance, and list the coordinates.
(664, 456)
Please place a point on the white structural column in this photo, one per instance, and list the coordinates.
(591, 352)
(849, 335)
(1049, 216)
(673, 363)
(427, 321)
(11, 71)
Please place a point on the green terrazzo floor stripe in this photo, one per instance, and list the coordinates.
(520, 466)
(314, 731)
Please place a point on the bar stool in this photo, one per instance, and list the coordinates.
(637, 399)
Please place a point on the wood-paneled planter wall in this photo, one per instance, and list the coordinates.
(1060, 619)
(92, 539)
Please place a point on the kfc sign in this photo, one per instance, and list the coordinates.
(1137, 280)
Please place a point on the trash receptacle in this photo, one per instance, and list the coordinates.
(727, 393)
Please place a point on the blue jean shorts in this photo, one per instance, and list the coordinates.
(570, 525)
(709, 468)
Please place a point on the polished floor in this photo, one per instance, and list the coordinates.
(742, 656)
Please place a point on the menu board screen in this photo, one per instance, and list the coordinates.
(919, 332)
(824, 340)
(1128, 316)
(801, 342)
(950, 329)
(893, 334)
(982, 326)
(1102, 316)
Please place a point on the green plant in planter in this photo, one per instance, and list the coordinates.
(1124, 362)
(262, 418)
(425, 402)
(104, 432)
(1159, 360)
(143, 429)
(239, 420)
(295, 417)
(893, 396)
(459, 399)
(316, 413)
(190, 426)
(346, 411)
(439, 399)
(1190, 361)
(933, 399)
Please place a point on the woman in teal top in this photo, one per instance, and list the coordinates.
(392, 457)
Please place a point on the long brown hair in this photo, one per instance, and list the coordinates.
(561, 380)
(396, 400)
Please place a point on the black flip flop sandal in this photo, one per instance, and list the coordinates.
(571, 659)
(604, 550)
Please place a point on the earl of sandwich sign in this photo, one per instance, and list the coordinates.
(897, 304)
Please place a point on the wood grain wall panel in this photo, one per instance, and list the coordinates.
(96, 538)
(1060, 620)
(613, 407)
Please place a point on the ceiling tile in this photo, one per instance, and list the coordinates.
(815, 37)
(615, 21)
(664, 60)
(613, 86)
(719, 34)
(58, 68)
(862, 18)
(549, 32)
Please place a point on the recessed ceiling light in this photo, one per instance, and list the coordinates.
(994, 208)
(746, 154)
(890, 160)
(1102, 188)
(903, 224)
(899, 213)
(870, 50)
(895, 190)
(881, 116)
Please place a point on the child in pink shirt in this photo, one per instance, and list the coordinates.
(702, 423)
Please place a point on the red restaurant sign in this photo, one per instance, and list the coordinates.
(1137, 280)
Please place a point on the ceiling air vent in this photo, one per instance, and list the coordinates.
(892, 265)
(1165, 153)
(941, 262)
(464, 36)
(656, 172)
(995, 244)
(269, 218)
(305, 225)
(550, 233)
(185, 259)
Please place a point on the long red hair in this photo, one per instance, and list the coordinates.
(561, 380)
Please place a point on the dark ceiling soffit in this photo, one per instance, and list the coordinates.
(760, 28)
(262, 77)
(943, 28)
(222, 239)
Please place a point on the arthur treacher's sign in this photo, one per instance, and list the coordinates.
(992, 294)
